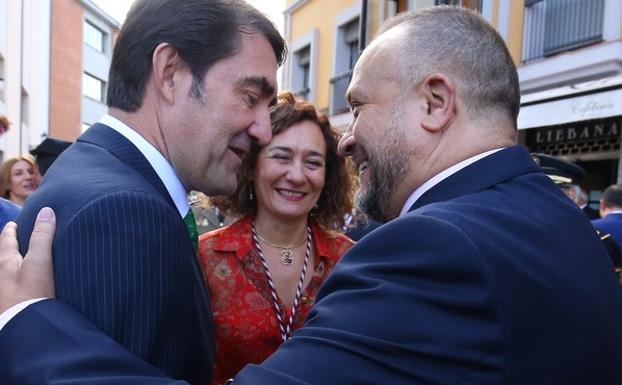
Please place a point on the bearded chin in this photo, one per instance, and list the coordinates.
(374, 200)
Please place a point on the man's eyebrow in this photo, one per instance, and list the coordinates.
(259, 82)
(352, 94)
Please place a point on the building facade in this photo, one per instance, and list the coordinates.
(568, 53)
(54, 60)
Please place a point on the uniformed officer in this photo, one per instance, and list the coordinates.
(47, 151)
(568, 176)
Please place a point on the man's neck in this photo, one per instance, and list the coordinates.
(150, 131)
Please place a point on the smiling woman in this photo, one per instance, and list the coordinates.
(264, 271)
(19, 179)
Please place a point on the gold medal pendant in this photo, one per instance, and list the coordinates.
(287, 257)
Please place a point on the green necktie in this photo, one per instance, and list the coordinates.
(191, 227)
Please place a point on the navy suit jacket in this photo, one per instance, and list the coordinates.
(494, 277)
(122, 258)
(611, 224)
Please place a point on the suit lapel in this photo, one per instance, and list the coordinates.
(489, 171)
(105, 137)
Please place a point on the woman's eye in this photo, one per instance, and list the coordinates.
(314, 163)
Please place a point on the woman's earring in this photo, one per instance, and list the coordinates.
(250, 195)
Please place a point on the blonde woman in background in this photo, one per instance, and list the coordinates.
(19, 179)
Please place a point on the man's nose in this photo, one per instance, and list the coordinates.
(261, 130)
(346, 144)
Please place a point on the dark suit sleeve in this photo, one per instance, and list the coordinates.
(409, 304)
(49, 343)
(119, 261)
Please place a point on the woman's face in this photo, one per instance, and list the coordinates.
(23, 181)
(290, 171)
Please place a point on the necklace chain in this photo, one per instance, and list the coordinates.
(288, 253)
(281, 246)
(284, 326)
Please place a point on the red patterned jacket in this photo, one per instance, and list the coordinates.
(246, 328)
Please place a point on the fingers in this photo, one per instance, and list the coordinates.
(8, 243)
(10, 258)
(42, 234)
(37, 265)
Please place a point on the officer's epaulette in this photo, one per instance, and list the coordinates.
(604, 236)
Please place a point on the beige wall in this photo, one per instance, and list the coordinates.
(320, 15)
(66, 69)
(515, 38)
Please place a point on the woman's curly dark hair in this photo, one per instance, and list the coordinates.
(335, 200)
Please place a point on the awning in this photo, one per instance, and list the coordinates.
(578, 102)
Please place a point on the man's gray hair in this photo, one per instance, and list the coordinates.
(462, 45)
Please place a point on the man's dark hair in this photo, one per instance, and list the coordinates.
(612, 196)
(202, 31)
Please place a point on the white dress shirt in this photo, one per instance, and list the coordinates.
(162, 167)
(441, 176)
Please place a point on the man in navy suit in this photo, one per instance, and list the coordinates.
(485, 272)
(611, 213)
(189, 89)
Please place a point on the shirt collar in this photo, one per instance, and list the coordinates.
(438, 178)
(158, 162)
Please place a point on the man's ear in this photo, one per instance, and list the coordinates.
(603, 209)
(166, 65)
(439, 93)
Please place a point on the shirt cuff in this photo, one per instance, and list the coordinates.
(11, 312)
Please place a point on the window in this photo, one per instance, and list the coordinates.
(1, 79)
(93, 36)
(471, 4)
(302, 81)
(302, 66)
(93, 87)
(25, 114)
(351, 38)
(554, 26)
(347, 53)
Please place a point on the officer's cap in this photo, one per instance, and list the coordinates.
(47, 152)
(560, 171)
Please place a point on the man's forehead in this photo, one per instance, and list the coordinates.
(367, 71)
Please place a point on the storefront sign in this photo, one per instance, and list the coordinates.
(580, 131)
(573, 109)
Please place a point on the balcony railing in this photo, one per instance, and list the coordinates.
(553, 26)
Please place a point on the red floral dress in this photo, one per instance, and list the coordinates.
(246, 328)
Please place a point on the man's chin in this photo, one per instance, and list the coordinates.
(370, 203)
(221, 186)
